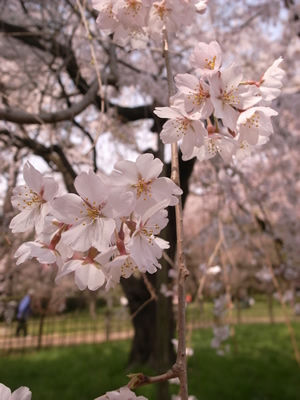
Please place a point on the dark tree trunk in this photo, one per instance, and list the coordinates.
(137, 294)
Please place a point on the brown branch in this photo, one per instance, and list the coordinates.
(52, 154)
(182, 271)
(23, 117)
(151, 298)
(140, 379)
(51, 46)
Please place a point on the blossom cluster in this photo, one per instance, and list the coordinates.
(136, 20)
(106, 231)
(216, 111)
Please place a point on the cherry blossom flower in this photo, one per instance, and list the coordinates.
(106, 18)
(132, 13)
(271, 82)
(125, 19)
(144, 247)
(48, 247)
(255, 122)
(89, 271)
(40, 251)
(215, 144)
(244, 149)
(229, 97)
(22, 393)
(170, 14)
(181, 126)
(133, 19)
(121, 266)
(196, 95)
(141, 179)
(32, 200)
(207, 58)
(123, 393)
(90, 214)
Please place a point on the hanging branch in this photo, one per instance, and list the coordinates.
(181, 268)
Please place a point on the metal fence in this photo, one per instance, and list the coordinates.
(65, 330)
(79, 327)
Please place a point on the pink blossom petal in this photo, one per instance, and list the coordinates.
(67, 208)
(148, 167)
(23, 393)
(91, 187)
(24, 221)
(5, 392)
(50, 188)
(33, 177)
(89, 276)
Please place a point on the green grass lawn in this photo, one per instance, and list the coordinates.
(262, 367)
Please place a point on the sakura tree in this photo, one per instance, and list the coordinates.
(106, 229)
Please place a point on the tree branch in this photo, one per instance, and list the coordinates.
(52, 154)
(23, 117)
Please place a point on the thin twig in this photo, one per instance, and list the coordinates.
(209, 263)
(140, 379)
(97, 69)
(181, 363)
(168, 259)
(152, 297)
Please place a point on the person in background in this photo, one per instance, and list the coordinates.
(24, 311)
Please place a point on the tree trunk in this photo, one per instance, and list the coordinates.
(142, 348)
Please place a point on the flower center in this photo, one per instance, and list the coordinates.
(161, 10)
(212, 147)
(127, 267)
(30, 199)
(199, 95)
(252, 122)
(109, 11)
(210, 64)
(134, 6)
(228, 96)
(181, 125)
(244, 145)
(148, 233)
(92, 211)
(143, 187)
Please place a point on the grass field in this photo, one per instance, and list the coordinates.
(260, 367)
